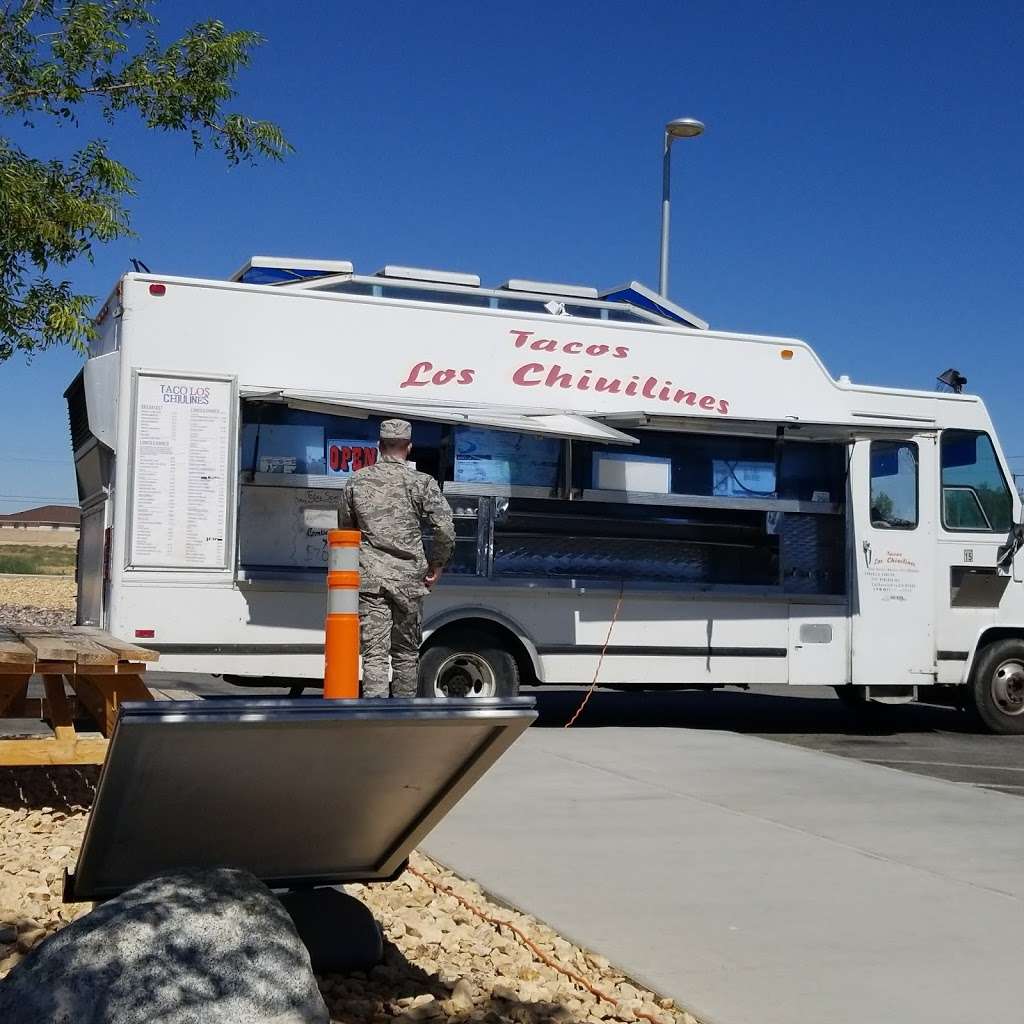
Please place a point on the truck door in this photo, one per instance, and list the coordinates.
(976, 582)
(91, 564)
(893, 554)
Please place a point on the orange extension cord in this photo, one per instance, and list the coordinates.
(527, 941)
(600, 660)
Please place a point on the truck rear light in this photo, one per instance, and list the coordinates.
(145, 634)
(157, 289)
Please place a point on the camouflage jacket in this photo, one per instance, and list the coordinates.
(386, 502)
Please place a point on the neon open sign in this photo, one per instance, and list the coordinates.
(345, 457)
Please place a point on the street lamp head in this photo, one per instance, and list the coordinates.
(684, 128)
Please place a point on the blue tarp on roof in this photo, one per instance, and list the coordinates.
(642, 301)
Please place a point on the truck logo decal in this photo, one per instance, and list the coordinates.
(554, 375)
(892, 576)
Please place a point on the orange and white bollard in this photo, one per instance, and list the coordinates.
(341, 630)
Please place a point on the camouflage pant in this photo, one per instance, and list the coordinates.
(389, 624)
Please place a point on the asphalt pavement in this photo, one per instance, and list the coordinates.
(915, 738)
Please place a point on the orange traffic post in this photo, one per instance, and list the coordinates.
(341, 631)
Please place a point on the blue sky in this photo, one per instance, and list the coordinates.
(859, 184)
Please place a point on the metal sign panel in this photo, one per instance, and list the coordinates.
(299, 792)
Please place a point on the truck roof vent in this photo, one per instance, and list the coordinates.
(425, 274)
(577, 291)
(287, 270)
(636, 294)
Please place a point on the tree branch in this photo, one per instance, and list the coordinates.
(27, 94)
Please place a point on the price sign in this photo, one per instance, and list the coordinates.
(181, 470)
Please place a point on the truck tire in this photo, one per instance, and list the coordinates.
(996, 689)
(468, 665)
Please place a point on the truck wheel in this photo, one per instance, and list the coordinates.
(468, 665)
(996, 690)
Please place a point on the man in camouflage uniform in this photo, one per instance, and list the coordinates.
(386, 502)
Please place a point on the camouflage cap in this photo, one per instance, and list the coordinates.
(396, 430)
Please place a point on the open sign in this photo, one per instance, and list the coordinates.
(345, 457)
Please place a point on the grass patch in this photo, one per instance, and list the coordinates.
(37, 560)
(17, 564)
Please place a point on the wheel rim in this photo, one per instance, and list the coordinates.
(1008, 688)
(465, 675)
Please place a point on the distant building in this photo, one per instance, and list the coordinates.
(46, 517)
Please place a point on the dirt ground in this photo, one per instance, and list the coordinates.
(40, 538)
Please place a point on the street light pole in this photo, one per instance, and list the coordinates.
(666, 171)
(680, 128)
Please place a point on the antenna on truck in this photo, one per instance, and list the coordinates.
(139, 267)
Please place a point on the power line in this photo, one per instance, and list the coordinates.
(26, 458)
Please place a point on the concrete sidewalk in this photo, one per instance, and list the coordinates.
(757, 883)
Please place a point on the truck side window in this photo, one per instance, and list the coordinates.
(894, 485)
(974, 492)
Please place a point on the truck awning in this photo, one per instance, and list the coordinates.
(546, 423)
(861, 424)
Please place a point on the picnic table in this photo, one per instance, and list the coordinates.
(101, 672)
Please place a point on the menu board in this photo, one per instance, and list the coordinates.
(503, 457)
(182, 467)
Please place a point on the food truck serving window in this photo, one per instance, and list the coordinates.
(278, 439)
(714, 466)
(506, 457)
(293, 464)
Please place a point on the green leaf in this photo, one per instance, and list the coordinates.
(59, 59)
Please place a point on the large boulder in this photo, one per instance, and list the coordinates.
(202, 947)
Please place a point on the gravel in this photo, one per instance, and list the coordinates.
(441, 960)
(46, 601)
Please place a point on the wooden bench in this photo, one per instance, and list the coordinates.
(101, 671)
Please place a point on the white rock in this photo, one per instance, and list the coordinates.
(462, 995)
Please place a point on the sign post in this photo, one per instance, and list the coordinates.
(341, 630)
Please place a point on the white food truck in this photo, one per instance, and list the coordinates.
(700, 508)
